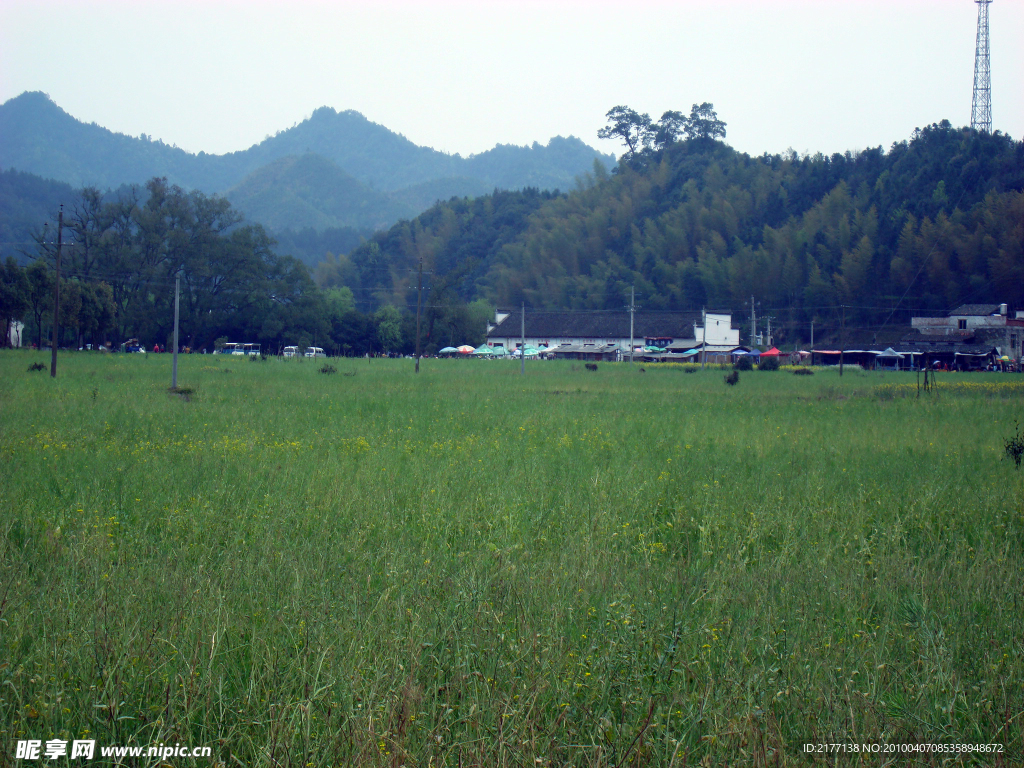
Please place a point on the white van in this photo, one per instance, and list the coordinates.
(291, 351)
(315, 352)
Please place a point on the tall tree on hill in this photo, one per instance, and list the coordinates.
(703, 123)
(629, 126)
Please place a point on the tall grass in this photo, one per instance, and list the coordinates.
(471, 567)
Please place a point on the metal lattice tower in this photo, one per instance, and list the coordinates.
(981, 106)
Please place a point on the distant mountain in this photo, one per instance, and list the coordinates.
(310, 191)
(38, 136)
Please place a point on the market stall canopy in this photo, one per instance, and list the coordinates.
(483, 351)
(447, 350)
(773, 352)
(465, 349)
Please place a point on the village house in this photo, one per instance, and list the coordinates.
(605, 335)
(977, 325)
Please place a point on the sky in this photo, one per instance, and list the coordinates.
(220, 75)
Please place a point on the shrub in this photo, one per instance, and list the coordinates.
(1015, 446)
(732, 378)
(768, 364)
(803, 372)
(36, 367)
(328, 368)
(743, 364)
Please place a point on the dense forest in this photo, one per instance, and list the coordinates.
(934, 222)
(873, 237)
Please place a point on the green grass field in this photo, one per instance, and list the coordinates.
(472, 567)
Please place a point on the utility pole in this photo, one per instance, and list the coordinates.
(842, 343)
(703, 337)
(56, 299)
(522, 341)
(632, 309)
(812, 335)
(753, 321)
(174, 357)
(419, 302)
(981, 104)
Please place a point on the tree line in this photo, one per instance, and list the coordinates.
(120, 258)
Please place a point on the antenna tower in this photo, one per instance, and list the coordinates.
(981, 106)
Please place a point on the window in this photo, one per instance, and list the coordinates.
(962, 324)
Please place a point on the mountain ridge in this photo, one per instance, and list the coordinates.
(39, 137)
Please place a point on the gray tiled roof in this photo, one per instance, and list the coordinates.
(598, 325)
(975, 310)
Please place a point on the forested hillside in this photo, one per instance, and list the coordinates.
(26, 202)
(936, 221)
(311, 192)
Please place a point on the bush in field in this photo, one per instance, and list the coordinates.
(1015, 446)
(743, 364)
(768, 364)
(328, 368)
(803, 372)
(732, 378)
(36, 367)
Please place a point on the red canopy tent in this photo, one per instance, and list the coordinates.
(773, 352)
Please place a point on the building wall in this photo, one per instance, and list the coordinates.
(954, 325)
(1008, 340)
(719, 331)
(1006, 334)
(553, 341)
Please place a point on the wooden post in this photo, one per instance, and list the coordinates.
(522, 341)
(174, 357)
(419, 302)
(56, 299)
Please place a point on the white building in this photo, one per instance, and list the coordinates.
(15, 333)
(606, 330)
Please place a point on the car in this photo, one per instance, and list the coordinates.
(315, 352)
(291, 351)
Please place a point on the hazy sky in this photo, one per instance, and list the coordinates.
(814, 75)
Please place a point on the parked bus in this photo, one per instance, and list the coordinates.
(231, 348)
